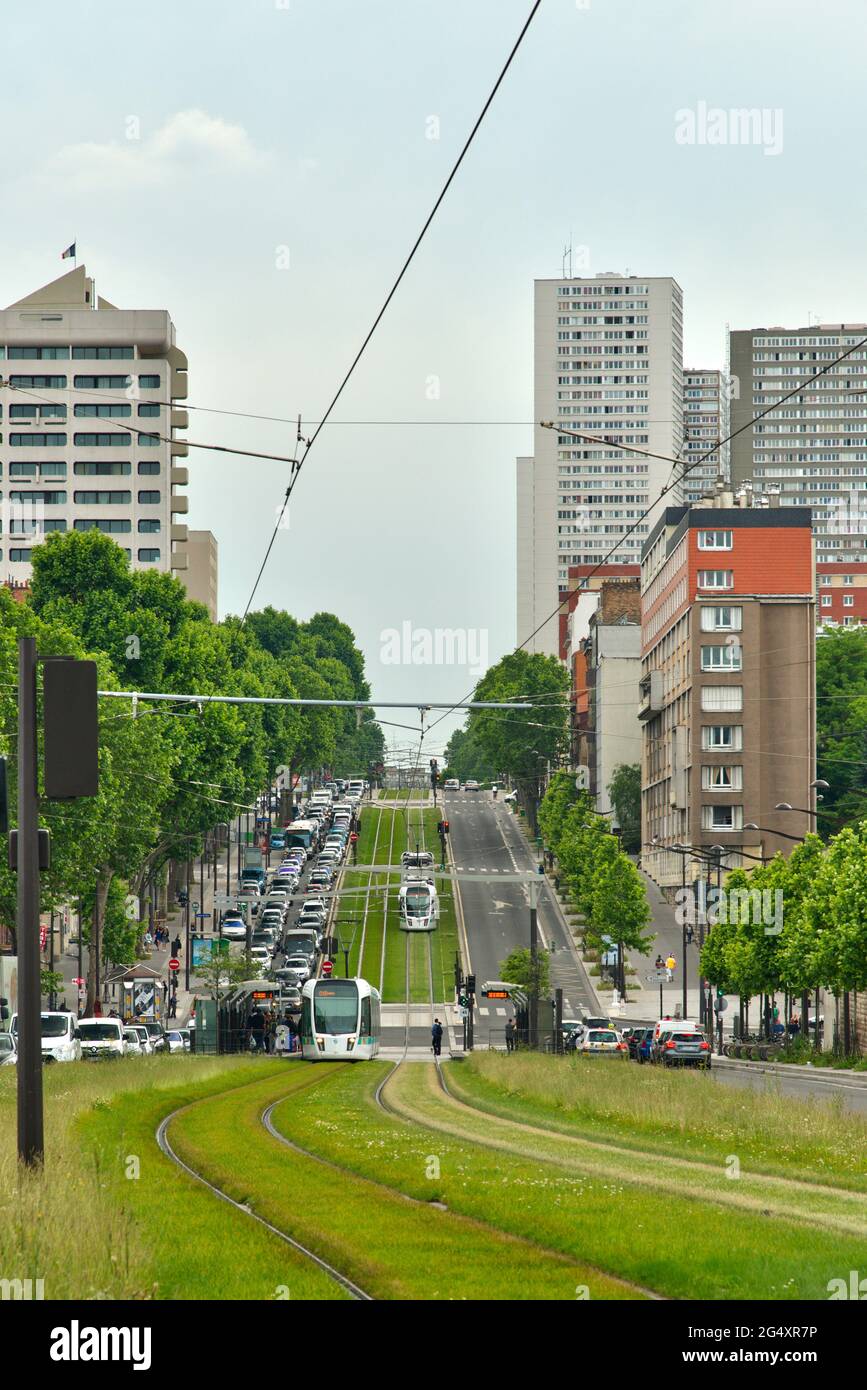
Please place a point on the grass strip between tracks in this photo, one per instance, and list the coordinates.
(189, 1244)
(678, 1242)
(391, 1248)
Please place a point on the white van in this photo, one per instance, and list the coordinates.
(100, 1037)
(679, 1025)
(59, 1043)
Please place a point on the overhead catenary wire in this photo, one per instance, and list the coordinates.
(296, 472)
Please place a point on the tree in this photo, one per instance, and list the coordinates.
(560, 796)
(524, 743)
(625, 792)
(517, 969)
(467, 759)
(841, 725)
(619, 910)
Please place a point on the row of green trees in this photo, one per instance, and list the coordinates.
(599, 876)
(808, 931)
(170, 774)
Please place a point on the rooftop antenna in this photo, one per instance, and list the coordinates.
(567, 260)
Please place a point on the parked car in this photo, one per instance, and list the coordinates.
(682, 1048)
(157, 1035)
(603, 1042)
(234, 929)
(298, 969)
(639, 1044)
(100, 1038)
(143, 1036)
(59, 1043)
(132, 1044)
(8, 1050)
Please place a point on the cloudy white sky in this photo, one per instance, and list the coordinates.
(194, 149)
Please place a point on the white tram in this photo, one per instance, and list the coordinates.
(340, 1021)
(418, 903)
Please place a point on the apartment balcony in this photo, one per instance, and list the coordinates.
(179, 533)
(179, 448)
(650, 695)
(180, 476)
(180, 419)
(180, 504)
(178, 386)
(179, 560)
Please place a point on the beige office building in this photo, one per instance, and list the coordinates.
(201, 577)
(89, 425)
(608, 364)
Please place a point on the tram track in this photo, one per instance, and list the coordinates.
(165, 1146)
(370, 879)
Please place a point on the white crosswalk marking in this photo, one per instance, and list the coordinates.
(484, 1011)
(502, 1012)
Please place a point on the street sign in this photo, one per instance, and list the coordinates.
(174, 963)
(327, 967)
(657, 975)
(77, 980)
(43, 937)
(720, 1005)
(203, 914)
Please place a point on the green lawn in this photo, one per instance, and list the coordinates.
(109, 1217)
(391, 1248)
(683, 1234)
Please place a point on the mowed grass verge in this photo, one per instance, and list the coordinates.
(109, 1217)
(359, 1221)
(682, 1113)
(662, 1239)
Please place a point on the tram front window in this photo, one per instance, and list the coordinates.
(418, 904)
(335, 1007)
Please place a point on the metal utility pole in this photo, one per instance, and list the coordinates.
(240, 814)
(80, 955)
(534, 963)
(31, 1140)
(187, 924)
(52, 998)
(683, 910)
(202, 886)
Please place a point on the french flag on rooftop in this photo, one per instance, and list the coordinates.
(70, 251)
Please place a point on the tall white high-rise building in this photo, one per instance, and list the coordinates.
(88, 423)
(609, 365)
(704, 428)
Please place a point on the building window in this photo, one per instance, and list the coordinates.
(102, 354)
(109, 526)
(724, 779)
(848, 579)
(716, 579)
(722, 817)
(38, 354)
(33, 412)
(149, 383)
(726, 619)
(827, 600)
(114, 439)
(103, 412)
(100, 383)
(722, 738)
(19, 556)
(149, 410)
(149, 555)
(53, 383)
(721, 658)
(722, 697)
(714, 540)
(38, 441)
(23, 470)
(48, 499)
(99, 469)
(149, 441)
(52, 470)
(848, 600)
(149, 468)
(102, 499)
(148, 498)
(149, 526)
(824, 579)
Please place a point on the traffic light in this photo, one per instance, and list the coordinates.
(440, 830)
(470, 984)
(445, 829)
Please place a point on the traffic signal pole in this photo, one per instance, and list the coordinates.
(31, 1141)
(534, 962)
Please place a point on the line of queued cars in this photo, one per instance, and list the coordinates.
(66, 1038)
(670, 1042)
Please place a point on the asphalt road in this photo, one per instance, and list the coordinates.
(484, 837)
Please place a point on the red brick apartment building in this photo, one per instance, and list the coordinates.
(727, 684)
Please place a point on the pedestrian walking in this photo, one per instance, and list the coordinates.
(256, 1030)
(176, 946)
(510, 1035)
(436, 1034)
(689, 935)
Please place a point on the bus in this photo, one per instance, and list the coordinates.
(301, 832)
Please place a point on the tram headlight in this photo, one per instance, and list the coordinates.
(350, 1043)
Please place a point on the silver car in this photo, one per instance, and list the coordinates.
(296, 969)
(8, 1050)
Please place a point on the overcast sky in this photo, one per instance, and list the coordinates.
(194, 149)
